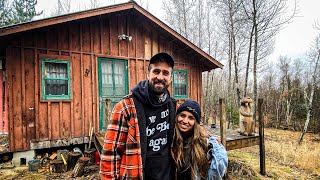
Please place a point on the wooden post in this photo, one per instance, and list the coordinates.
(81, 164)
(72, 159)
(58, 166)
(261, 138)
(90, 154)
(223, 122)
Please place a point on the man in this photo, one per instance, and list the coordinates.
(139, 137)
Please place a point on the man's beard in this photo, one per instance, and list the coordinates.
(158, 91)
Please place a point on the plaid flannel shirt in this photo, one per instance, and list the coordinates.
(121, 154)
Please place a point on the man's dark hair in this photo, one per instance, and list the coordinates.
(161, 57)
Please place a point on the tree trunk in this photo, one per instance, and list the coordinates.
(314, 83)
(248, 63)
(308, 115)
(255, 60)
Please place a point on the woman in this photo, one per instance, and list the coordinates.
(196, 154)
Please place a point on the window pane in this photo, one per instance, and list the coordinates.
(56, 78)
(106, 70)
(56, 70)
(180, 83)
(119, 78)
(56, 87)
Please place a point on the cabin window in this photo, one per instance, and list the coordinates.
(180, 83)
(56, 79)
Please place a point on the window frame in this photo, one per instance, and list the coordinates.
(174, 84)
(43, 79)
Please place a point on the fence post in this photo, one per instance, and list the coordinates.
(223, 122)
(261, 138)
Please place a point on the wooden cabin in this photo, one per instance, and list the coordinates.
(60, 71)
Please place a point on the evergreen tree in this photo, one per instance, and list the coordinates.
(24, 10)
(5, 13)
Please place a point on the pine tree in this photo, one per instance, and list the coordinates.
(5, 13)
(24, 10)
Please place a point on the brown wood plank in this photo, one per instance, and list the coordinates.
(77, 94)
(60, 124)
(147, 44)
(87, 94)
(41, 41)
(9, 96)
(233, 138)
(95, 26)
(82, 86)
(139, 41)
(43, 125)
(140, 70)
(123, 44)
(75, 36)
(23, 97)
(28, 38)
(132, 32)
(93, 85)
(85, 34)
(29, 108)
(66, 120)
(63, 36)
(36, 92)
(105, 39)
(155, 42)
(242, 143)
(162, 44)
(16, 106)
(55, 120)
(71, 120)
(114, 33)
(132, 73)
(52, 37)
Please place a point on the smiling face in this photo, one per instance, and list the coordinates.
(185, 121)
(159, 77)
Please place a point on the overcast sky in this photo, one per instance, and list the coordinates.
(292, 41)
(296, 38)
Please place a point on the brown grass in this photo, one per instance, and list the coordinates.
(284, 158)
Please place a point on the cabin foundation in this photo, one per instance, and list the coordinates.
(22, 158)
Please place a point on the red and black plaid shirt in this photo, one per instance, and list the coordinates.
(121, 154)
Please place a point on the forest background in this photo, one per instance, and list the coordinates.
(240, 34)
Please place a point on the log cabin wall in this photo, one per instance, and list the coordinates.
(39, 123)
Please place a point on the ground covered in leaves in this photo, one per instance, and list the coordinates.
(284, 160)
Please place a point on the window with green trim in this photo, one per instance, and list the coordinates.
(180, 83)
(56, 80)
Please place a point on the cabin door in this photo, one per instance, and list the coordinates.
(113, 85)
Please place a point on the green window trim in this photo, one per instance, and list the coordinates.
(114, 97)
(44, 78)
(175, 95)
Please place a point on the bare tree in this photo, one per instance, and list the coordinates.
(287, 88)
(179, 13)
(314, 55)
(267, 17)
(63, 7)
(94, 4)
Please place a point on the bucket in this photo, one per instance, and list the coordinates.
(97, 158)
(33, 165)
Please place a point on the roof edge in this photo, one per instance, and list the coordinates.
(64, 18)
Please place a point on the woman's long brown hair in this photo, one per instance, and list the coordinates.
(197, 152)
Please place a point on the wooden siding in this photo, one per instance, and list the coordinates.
(32, 119)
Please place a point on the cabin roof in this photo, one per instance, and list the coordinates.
(12, 29)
